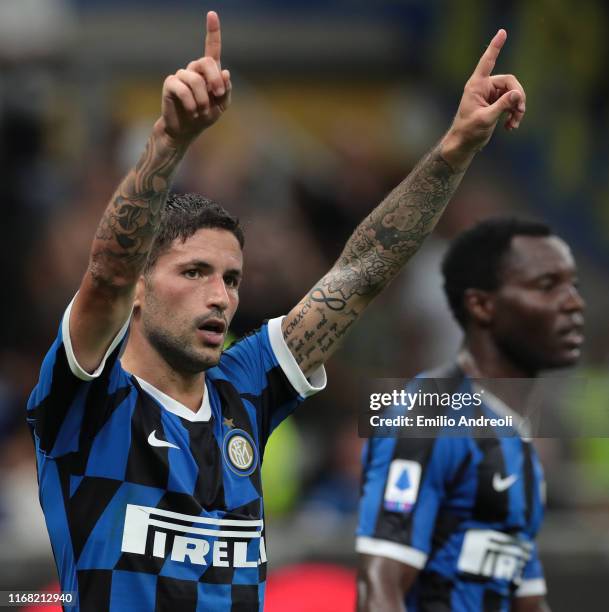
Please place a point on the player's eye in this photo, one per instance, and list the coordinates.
(231, 281)
(546, 283)
(192, 274)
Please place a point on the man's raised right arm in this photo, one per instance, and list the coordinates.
(193, 99)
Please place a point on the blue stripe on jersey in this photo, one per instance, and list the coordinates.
(133, 591)
(57, 522)
(183, 470)
(246, 575)
(513, 458)
(185, 571)
(282, 413)
(533, 569)
(376, 455)
(101, 551)
(252, 416)
(213, 597)
(245, 356)
(74, 483)
(110, 448)
(69, 433)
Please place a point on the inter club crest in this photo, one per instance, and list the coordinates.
(240, 452)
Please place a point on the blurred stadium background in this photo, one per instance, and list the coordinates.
(333, 104)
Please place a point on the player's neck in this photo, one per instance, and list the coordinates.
(480, 357)
(143, 361)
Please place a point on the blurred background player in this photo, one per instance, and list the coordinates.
(448, 523)
(149, 445)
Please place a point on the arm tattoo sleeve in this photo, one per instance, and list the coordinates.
(131, 220)
(394, 230)
(372, 257)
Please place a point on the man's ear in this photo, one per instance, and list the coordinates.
(480, 306)
(140, 288)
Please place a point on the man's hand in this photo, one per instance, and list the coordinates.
(485, 98)
(194, 98)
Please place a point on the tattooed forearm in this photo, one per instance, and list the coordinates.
(372, 257)
(395, 230)
(128, 226)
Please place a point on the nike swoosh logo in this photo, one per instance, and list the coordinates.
(503, 484)
(154, 441)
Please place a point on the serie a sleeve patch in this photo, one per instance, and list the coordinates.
(402, 486)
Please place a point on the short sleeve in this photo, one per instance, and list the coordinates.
(266, 375)
(403, 489)
(64, 391)
(533, 581)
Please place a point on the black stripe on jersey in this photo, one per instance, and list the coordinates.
(252, 510)
(244, 598)
(99, 407)
(391, 524)
(492, 601)
(529, 479)
(434, 592)
(205, 449)
(217, 575)
(232, 407)
(86, 506)
(490, 506)
(51, 412)
(447, 522)
(179, 502)
(278, 392)
(94, 588)
(147, 564)
(173, 595)
(147, 465)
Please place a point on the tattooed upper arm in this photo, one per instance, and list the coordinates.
(119, 251)
(372, 257)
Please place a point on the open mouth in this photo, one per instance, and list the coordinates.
(213, 325)
(212, 331)
(573, 335)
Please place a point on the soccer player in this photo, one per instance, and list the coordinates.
(448, 523)
(149, 445)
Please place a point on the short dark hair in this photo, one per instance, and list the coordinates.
(183, 215)
(474, 258)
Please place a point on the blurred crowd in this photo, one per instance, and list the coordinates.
(304, 154)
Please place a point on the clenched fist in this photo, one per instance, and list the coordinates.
(195, 97)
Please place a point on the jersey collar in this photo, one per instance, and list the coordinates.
(177, 408)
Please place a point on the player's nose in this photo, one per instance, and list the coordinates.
(217, 293)
(574, 302)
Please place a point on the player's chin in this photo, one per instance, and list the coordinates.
(565, 357)
(211, 355)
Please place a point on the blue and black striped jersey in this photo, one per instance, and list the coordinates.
(463, 510)
(150, 506)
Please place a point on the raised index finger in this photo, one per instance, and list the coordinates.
(489, 57)
(213, 41)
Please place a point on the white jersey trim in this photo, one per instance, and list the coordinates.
(392, 550)
(531, 588)
(203, 414)
(75, 367)
(305, 387)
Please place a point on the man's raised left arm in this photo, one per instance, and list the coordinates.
(393, 232)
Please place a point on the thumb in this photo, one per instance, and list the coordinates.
(507, 102)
